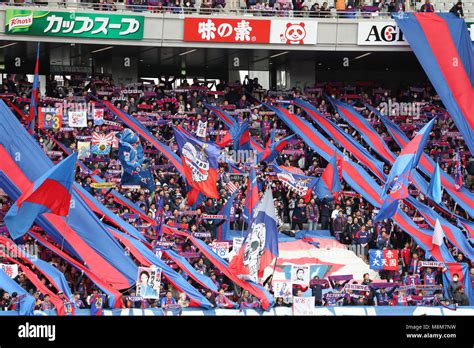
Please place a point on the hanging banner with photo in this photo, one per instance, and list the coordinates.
(300, 275)
(77, 119)
(98, 115)
(50, 118)
(282, 289)
(10, 270)
(221, 249)
(148, 282)
(303, 305)
(201, 129)
(83, 149)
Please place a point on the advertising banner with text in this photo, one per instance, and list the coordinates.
(74, 24)
(250, 31)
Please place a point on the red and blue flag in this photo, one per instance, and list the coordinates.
(434, 189)
(443, 46)
(300, 184)
(342, 138)
(199, 162)
(409, 157)
(462, 196)
(51, 193)
(34, 94)
(260, 247)
(252, 196)
(329, 180)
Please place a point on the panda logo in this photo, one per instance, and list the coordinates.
(294, 33)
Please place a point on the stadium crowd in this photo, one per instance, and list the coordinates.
(349, 217)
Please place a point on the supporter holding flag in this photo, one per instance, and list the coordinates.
(260, 246)
(199, 162)
(51, 193)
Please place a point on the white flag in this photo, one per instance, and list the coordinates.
(438, 234)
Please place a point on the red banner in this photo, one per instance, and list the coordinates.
(250, 31)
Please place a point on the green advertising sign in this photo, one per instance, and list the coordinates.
(74, 24)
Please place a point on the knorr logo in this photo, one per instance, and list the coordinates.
(20, 22)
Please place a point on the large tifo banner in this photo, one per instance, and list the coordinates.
(74, 24)
(255, 31)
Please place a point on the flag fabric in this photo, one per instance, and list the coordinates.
(462, 269)
(252, 197)
(443, 46)
(398, 191)
(383, 260)
(451, 232)
(329, 180)
(34, 94)
(101, 143)
(434, 189)
(50, 193)
(26, 304)
(343, 138)
(463, 197)
(139, 129)
(199, 162)
(368, 133)
(438, 234)
(467, 225)
(135, 168)
(458, 177)
(300, 184)
(226, 210)
(241, 136)
(409, 157)
(273, 149)
(360, 181)
(266, 299)
(147, 258)
(260, 247)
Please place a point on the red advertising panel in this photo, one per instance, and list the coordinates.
(227, 30)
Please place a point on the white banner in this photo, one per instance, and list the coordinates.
(237, 243)
(77, 118)
(380, 34)
(10, 270)
(201, 129)
(300, 275)
(303, 305)
(293, 32)
(282, 289)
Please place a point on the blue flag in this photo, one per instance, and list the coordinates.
(434, 189)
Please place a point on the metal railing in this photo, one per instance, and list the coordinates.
(278, 10)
